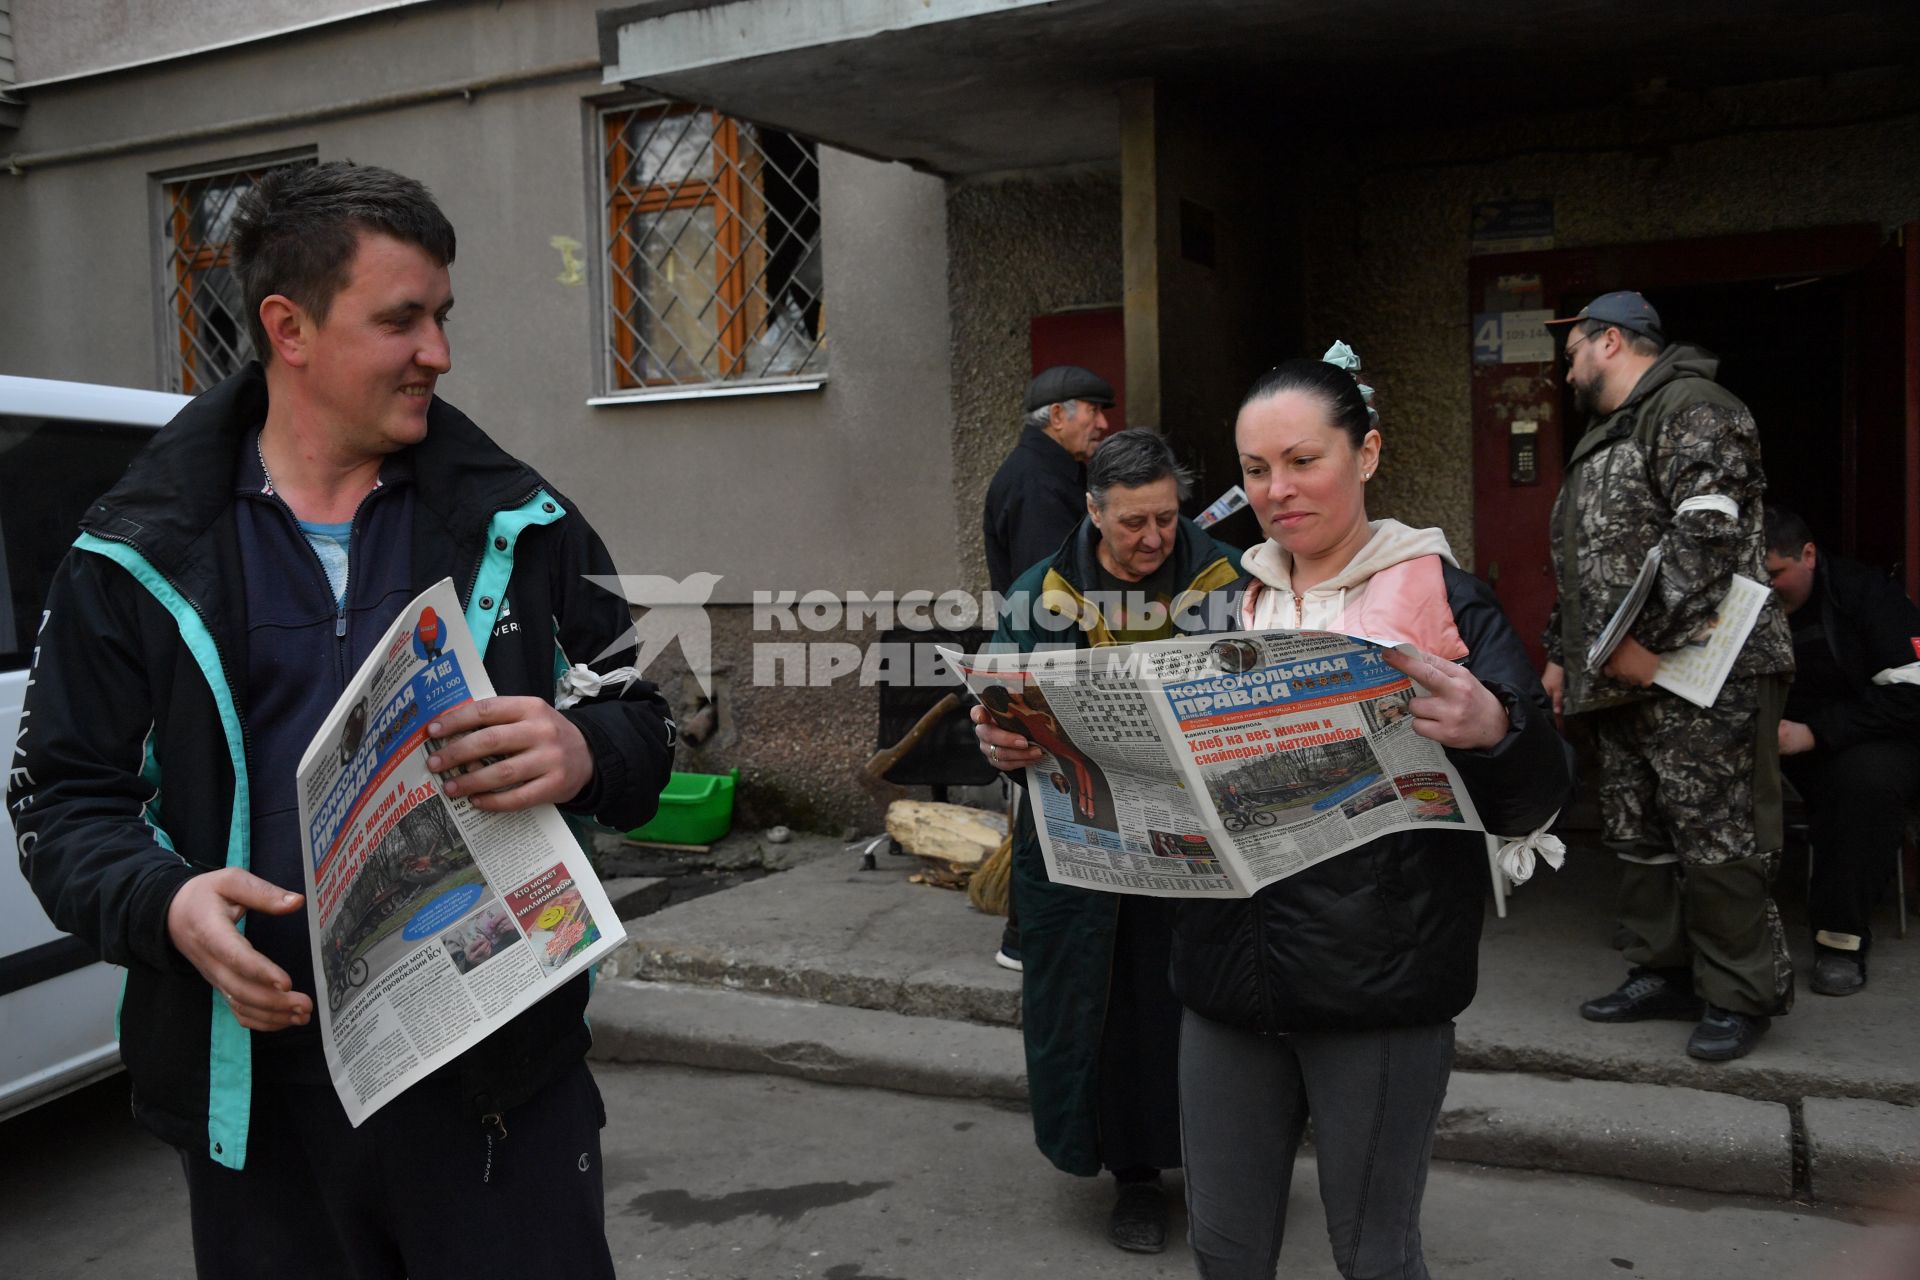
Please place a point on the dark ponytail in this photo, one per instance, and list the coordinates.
(1333, 386)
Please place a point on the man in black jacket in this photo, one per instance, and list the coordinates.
(1040, 492)
(215, 605)
(1850, 738)
(1036, 500)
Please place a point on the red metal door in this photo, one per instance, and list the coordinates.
(1094, 339)
(1519, 437)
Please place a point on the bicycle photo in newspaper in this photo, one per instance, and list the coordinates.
(432, 922)
(1215, 766)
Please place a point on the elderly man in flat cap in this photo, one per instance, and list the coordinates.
(1037, 499)
(1040, 492)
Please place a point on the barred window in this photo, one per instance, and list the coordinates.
(712, 256)
(206, 334)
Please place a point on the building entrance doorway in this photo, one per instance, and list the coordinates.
(1815, 331)
(1781, 346)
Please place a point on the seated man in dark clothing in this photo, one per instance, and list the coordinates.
(1850, 738)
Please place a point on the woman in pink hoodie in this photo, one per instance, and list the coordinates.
(1331, 994)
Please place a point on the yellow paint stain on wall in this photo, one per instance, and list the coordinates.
(572, 269)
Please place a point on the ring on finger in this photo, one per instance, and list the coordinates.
(993, 752)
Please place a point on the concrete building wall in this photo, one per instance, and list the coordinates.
(1389, 212)
(767, 491)
(801, 490)
(69, 37)
(1016, 248)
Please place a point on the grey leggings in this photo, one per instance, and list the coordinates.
(1244, 1102)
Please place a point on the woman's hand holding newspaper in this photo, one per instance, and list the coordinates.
(1456, 710)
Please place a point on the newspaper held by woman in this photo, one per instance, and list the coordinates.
(1215, 766)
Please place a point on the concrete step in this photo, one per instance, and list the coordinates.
(635, 1021)
(1860, 1151)
(830, 932)
(1673, 1136)
(636, 896)
(1664, 1134)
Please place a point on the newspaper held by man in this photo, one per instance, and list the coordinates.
(433, 923)
(1697, 671)
(1215, 766)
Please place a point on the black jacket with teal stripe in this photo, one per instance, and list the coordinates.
(132, 771)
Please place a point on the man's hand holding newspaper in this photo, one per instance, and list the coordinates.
(445, 893)
(529, 754)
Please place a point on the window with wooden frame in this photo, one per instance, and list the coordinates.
(205, 325)
(712, 254)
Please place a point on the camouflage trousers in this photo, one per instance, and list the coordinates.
(1690, 801)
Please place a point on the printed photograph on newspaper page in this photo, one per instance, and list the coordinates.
(432, 922)
(1215, 766)
(1110, 800)
(1304, 746)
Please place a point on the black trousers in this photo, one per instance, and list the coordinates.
(420, 1190)
(1374, 1098)
(1857, 801)
(1139, 1111)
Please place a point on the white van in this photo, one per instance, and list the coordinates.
(62, 444)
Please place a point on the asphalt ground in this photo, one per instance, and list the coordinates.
(726, 1176)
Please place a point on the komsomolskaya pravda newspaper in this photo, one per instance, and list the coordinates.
(432, 922)
(1214, 766)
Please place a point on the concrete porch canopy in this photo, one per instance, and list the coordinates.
(963, 87)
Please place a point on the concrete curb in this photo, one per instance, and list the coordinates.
(735, 1031)
(637, 895)
(1860, 1151)
(1646, 1133)
(1759, 1076)
(992, 997)
(933, 993)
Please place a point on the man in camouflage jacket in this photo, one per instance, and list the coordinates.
(1690, 796)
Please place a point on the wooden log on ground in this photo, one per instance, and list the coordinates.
(951, 838)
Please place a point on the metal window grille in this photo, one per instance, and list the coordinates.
(209, 337)
(713, 251)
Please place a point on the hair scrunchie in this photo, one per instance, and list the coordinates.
(1345, 357)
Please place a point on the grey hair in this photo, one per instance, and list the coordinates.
(1132, 458)
(1641, 344)
(1043, 416)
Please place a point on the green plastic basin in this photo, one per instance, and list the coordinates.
(696, 808)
